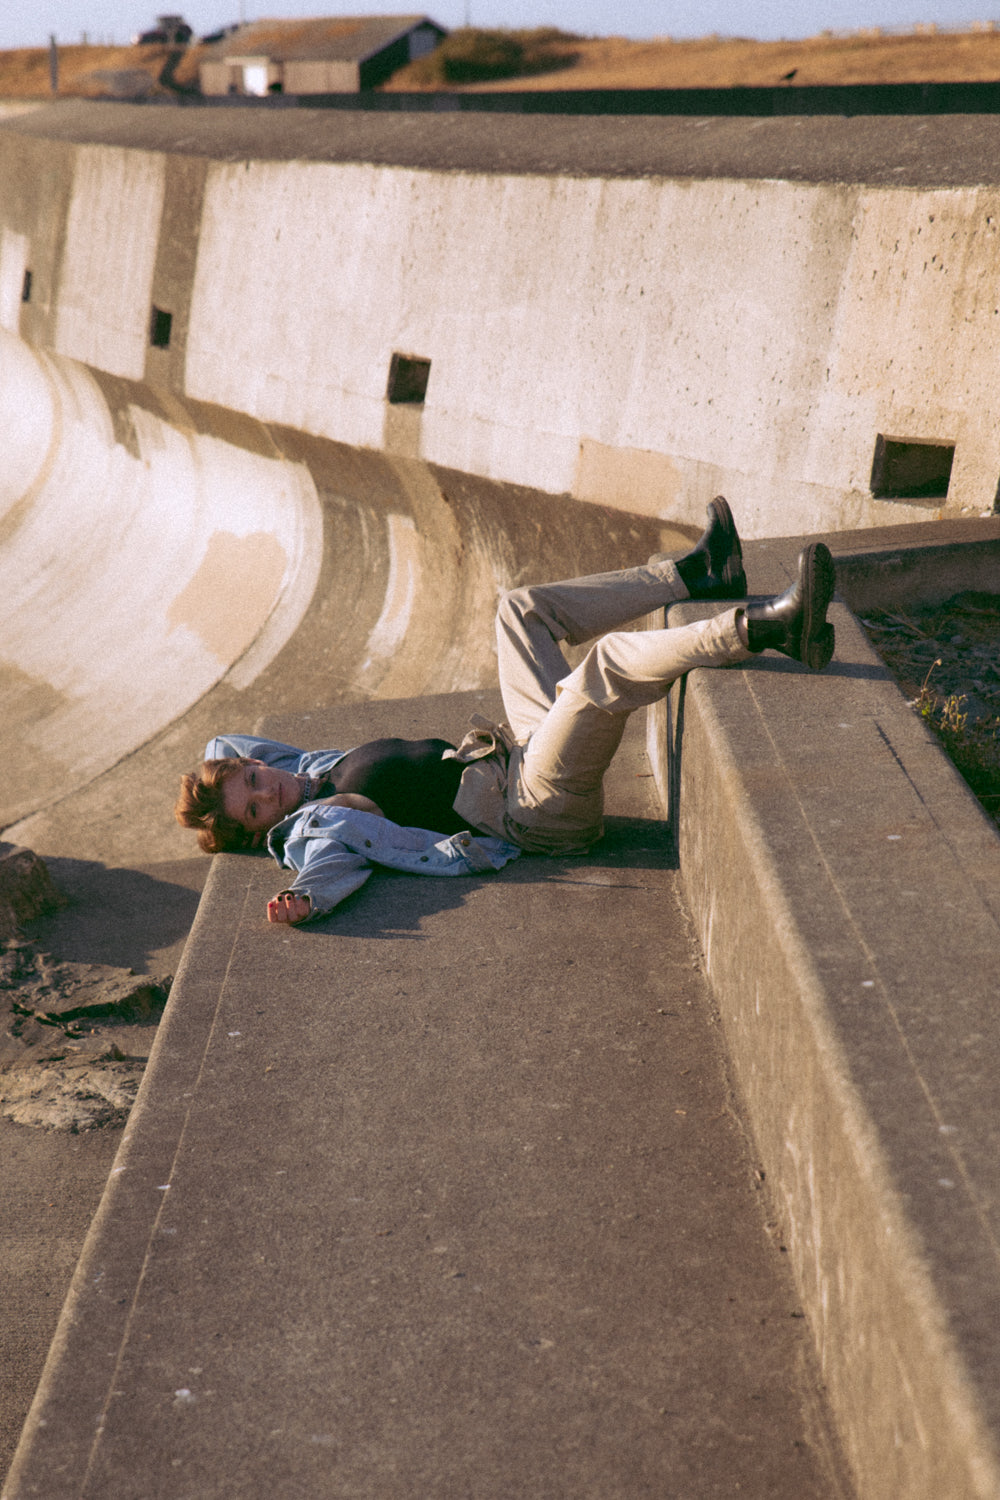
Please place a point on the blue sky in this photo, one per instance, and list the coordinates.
(25, 25)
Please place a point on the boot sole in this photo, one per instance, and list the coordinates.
(734, 579)
(819, 581)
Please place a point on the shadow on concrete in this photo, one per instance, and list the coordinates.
(392, 906)
(636, 843)
(134, 919)
(395, 906)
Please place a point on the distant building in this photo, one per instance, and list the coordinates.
(334, 55)
(173, 30)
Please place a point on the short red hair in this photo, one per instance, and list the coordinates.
(200, 806)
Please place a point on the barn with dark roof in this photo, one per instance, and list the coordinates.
(329, 55)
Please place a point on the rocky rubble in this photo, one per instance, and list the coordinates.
(26, 889)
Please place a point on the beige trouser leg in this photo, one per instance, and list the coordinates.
(532, 621)
(555, 796)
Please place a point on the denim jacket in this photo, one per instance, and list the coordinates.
(334, 849)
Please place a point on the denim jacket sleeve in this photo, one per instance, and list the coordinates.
(333, 850)
(316, 763)
(271, 752)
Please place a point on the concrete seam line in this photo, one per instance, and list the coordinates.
(162, 1204)
(89, 1274)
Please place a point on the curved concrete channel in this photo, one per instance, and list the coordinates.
(212, 518)
(154, 556)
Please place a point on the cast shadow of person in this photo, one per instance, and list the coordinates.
(391, 905)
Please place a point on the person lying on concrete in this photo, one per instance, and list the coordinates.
(534, 783)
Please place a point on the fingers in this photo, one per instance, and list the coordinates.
(287, 907)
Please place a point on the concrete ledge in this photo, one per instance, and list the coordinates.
(441, 1196)
(946, 150)
(846, 890)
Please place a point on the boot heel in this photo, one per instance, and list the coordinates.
(819, 578)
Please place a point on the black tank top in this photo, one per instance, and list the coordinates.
(407, 778)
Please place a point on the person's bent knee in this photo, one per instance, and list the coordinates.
(515, 605)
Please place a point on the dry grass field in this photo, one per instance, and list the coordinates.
(92, 72)
(718, 62)
(561, 62)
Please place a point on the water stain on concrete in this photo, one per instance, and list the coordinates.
(632, 479)
(232, 593)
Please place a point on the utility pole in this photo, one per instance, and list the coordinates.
(53, 64)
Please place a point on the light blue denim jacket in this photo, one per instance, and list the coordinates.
(334, 849)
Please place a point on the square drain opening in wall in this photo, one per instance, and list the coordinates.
(159, 328)
(911, 469)
(408, 378)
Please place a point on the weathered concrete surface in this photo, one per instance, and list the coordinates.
(638, 328)
(52, 1185)
(410, 564)
(845, 887)
(656, 361)
(441, 1196)
(873, 1112)
(153, 550)
(135, 569)
(189, 483)
(888, 151)
(890, 569)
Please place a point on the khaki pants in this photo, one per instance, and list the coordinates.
(569, 724)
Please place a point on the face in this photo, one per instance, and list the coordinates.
(257, 796)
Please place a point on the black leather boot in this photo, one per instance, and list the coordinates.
(714, 569)
(795, 622)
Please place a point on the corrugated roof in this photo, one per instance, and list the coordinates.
(328, 38)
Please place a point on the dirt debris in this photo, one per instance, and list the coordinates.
(75, 1037)
(72, 1096)
(946, 659)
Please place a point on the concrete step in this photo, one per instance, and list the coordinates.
(445, 1195)
(845, 887)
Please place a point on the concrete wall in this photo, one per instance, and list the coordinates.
(178, 517)
(136, 568)
(158, 553)
(639, 341)
(603, 338)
